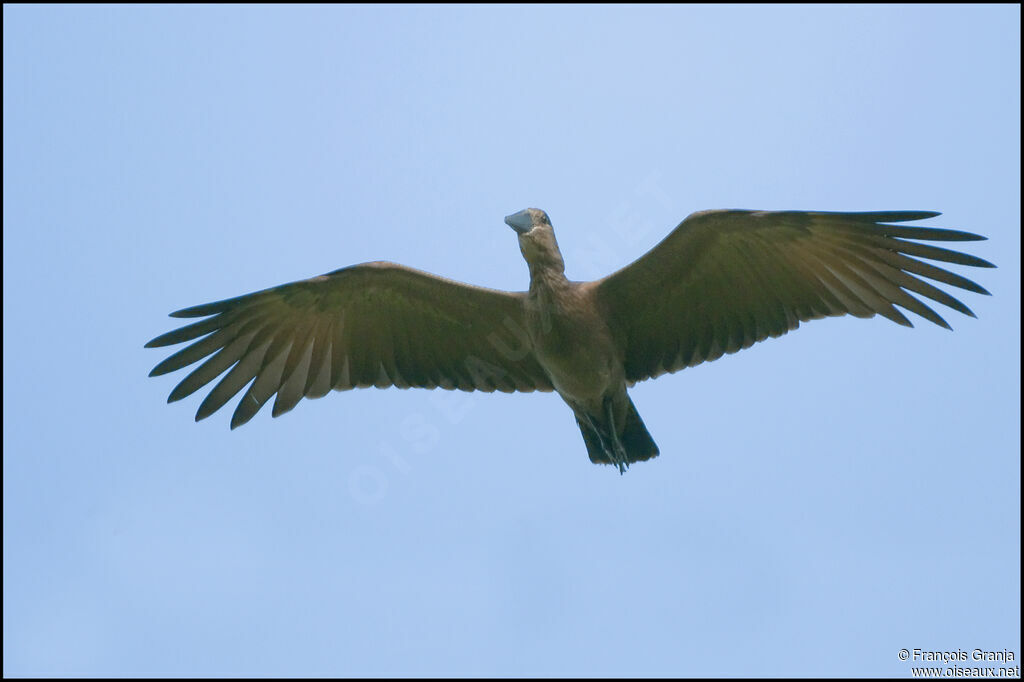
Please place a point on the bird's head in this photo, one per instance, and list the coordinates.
(536, 237)
(527, 219)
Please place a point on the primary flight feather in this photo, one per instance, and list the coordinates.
(719, 282)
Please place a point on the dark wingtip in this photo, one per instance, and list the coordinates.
(162, 340)
(902, 216)
(203, 310)
(165, 339)
(185, 312)
(180, 392)
(238, 419)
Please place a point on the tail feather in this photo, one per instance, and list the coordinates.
(635, 439)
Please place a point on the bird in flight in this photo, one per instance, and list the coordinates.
(721, 281)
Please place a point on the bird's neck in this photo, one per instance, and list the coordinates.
(547, 274)
(547, 269)
(547, 300)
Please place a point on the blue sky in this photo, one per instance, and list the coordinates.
(822, 500)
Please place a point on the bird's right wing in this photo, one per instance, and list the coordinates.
(377, 324)
(723, 280)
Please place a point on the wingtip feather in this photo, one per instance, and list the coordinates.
(184, 312)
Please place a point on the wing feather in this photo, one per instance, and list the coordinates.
(724, 280)
(265, 385)
(376, 324)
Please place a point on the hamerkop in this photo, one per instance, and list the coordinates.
(721, 281)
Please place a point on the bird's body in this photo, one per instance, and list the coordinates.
(573, 342)
(721, 281)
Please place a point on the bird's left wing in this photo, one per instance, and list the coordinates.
(725, 279)
(376, 324)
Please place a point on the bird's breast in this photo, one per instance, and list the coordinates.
(573, 344)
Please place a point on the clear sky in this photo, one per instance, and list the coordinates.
(821, 502)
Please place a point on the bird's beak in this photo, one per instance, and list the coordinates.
(520, 222)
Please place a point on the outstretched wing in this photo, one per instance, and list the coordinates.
(726, 279)
(377, 324)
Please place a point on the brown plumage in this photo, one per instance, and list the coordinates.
(720, 282)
